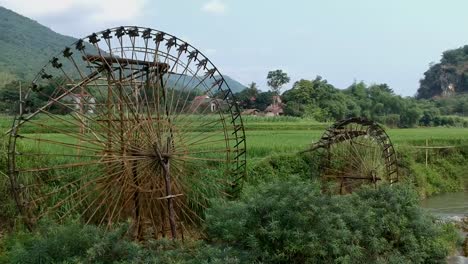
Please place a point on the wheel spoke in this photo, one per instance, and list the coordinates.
(120, 134)
(356, 154)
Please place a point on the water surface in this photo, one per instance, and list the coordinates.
(447, 204)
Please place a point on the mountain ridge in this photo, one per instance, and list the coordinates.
(446, 78)
(26, 46)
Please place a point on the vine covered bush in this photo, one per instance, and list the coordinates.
(293, 222)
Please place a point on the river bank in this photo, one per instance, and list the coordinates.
(452, 207)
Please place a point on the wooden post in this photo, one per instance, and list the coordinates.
(20, 100)
(427, 150)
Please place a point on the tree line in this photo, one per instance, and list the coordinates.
(317, 99)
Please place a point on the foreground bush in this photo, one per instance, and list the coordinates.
(77, 243)
(288, 221)
(71, 242)
(292, 222)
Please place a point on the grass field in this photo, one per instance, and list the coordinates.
(299, 139)
(266, 136)
(269, 135)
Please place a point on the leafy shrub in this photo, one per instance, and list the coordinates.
(292, 222)
(283, 166)
(53, 243)
(444, 173)
(194, 252)
(77, 243)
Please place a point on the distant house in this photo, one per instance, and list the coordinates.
(85, 102)
(203, 102)
(276, 108)
(252, 112)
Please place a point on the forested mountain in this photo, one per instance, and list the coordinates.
(26, 46)
(448, 77)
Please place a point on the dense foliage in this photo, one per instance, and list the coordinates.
(322, 101)
(444, 173)
(77, 243)
(293, 222)
(319, 100)
(288, 221)
(9, 99)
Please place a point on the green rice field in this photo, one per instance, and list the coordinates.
(269, 135)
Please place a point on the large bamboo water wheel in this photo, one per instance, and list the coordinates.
(138, 124)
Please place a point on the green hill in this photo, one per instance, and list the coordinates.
(186, 80)
(233, 84)
(26, 46)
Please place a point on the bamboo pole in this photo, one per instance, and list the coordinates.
(427, 150)
(435, 147)
(20, 100)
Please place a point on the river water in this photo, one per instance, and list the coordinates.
(449, 205)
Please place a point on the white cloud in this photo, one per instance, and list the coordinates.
(215, 7)
(93, 10)
(37, 8)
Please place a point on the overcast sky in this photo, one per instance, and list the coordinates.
(377, 41)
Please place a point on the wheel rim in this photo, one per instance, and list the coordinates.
(140, 125)
(356, 152)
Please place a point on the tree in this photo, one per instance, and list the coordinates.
(429, 115)
(253, 86)
(9, 97)
(247, 98)
(410, 114)
(319, 100)
(263, 100)
(276, 79)
(302, 92)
